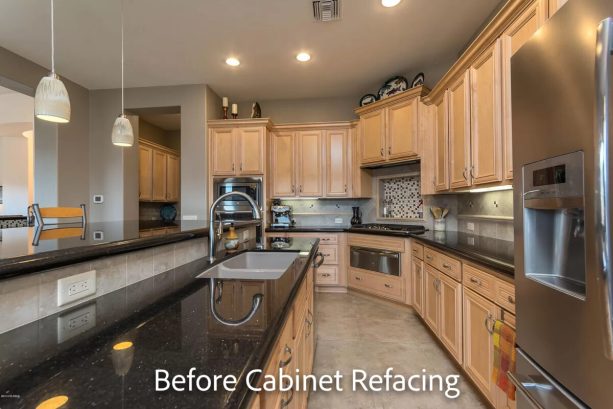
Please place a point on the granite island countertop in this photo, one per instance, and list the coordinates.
(22, 253)
(169, 323)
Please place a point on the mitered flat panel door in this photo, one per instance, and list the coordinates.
(479, 313)
(516, 35)
(450, 328)
(486, 116)
(159, 175)
(173, 180)
(441, 149)
(459, 132)
(250, 150)
(417, 268)
(402, 130)
(223, 146)
(337, 163)
(310, 163)
(282, 164)
(145, 174)
(431, 298)
(372, 133)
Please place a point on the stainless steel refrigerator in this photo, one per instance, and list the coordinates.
(562, 154)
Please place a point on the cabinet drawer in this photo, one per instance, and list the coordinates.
(509, 318)
(417, 250)
(327, 275)
(379, 284)
(370, 241)
(479, 281)
(328, 239)
(505, 296)
(330, 253)
(448, 265)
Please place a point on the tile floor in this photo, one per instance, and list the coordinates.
(362, 333)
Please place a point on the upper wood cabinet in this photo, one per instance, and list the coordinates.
(361, 179)
(282, 170)
(309, 161)
(441, 145)
(486, 117)
(459, 132)
(427, 127)
(389, 129)
(159, 173)
(237, 147)
(516, 35)
(337, 150)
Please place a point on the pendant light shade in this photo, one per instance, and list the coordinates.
(51, 101)
(122, 134)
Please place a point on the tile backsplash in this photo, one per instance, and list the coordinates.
(403, 197)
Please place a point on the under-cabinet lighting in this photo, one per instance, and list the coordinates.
(390, 3)
(491, 189)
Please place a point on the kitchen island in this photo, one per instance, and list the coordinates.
(170, 322)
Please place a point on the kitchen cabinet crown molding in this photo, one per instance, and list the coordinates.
(492, 31)
(150, 144)
(236, 123)
(307, 126)
(420, 91)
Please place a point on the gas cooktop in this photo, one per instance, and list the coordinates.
(396, 228)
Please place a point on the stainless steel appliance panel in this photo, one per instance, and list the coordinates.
(235, 207)
(554, 98)
(379, 261)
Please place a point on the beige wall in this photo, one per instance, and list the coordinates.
(150, 132)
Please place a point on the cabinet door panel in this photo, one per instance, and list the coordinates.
(337, 164)
(223, 148)
(417, 267)
(250, 151)
(310, 152)
(512, 39)
(478, 342)
(402, 124)
(159, 175)
(459, 132)
(451, 316)
(431, 298)
(173, 179)
(145, 174)
(441, 143)
(427, 125)
(282, 165)
(486, 114)
(373, 137)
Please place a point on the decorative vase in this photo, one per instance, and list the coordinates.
(225, 112)
(357, 217)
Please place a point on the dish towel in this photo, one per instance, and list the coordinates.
(504, 357)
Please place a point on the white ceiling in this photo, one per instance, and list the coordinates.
(187, 42)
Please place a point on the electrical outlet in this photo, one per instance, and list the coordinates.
(98, 199)
(75, 322)
(76, 287)
(471, 241)
(246, 235)
(190, 217)
(98, 235)
(338, 220)
(470, 226)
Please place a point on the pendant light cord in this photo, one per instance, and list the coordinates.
(122, 98)
(52, 41)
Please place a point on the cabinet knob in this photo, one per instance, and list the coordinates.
(447, 266)
(381, 152)
(325, 275)
(233, 167)
(388, 285)
(510, 300)
(300, 188)
(241, 168)
(475, 281)
(358, 278)
(389, 150)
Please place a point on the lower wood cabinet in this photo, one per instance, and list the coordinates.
(417, 287)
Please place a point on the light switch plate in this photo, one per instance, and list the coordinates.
(76, 287)
(98, 235)
(338, 220)
(190, 217)
(75, 322)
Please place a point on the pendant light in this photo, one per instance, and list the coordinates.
(122, 134)
(51, 101)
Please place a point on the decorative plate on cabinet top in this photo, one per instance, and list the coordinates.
(393, 86)
(418, 80)
(368, 99)
(168, 212)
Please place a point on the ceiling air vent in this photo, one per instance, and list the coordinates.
(326, 10)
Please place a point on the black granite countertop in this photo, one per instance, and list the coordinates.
(169, 322)
(12, 217)
(494, 253)
(22, 253)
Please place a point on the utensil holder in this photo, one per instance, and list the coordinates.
(440, 225)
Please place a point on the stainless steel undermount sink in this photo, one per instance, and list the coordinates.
(252, 265)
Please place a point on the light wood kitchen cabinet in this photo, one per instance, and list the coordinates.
(431, 299)
(223, 152)
(516, 35)
(427, 125)
(372, 131)
(283, 171)
(159, 175)
(450, 325)
(486, 117)
(361, 179)
(479, 314)
(309, 155)
(337, 163)
(417, 267)
(145, 174)
(402, 123)
(250, 155)
(441, 146)
(459, 132)
(173, 179)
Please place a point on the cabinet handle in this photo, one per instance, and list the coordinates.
(241, 166)
(381, 152)
(464, 175)
(233, 167)
(487, 324)
(389, 150)
(284, 402)
(510, 300)
(293, 189)
(388, 285)
(287, 350)
(358, 278)
(429, 258)
(475, 281)
(447, 266)
(325, 275)
(345, 188)
(300, 188)
(472, 175)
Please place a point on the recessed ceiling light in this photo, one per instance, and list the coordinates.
(303, 57)
(234, 62)
(390, 3)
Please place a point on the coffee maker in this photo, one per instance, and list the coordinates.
(281, 215)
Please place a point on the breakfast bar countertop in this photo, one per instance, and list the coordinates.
(165, 322)
(22, 253)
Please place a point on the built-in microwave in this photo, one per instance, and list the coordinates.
(235, 207)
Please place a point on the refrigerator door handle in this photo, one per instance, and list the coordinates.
(523, 390)
(604, 222)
